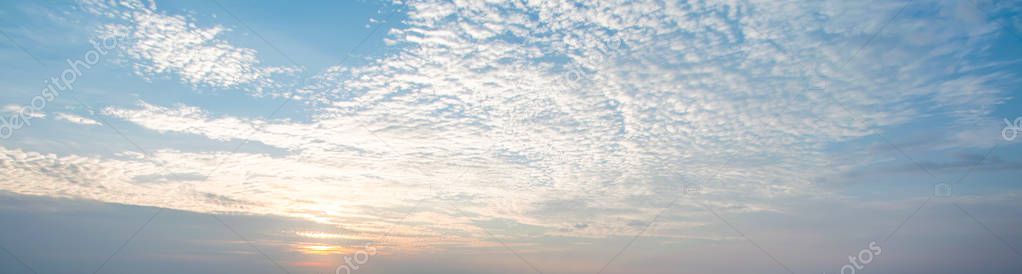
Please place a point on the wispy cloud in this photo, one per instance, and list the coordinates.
(76, 119)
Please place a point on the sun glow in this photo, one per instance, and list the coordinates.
(321, 235)
(321, 249)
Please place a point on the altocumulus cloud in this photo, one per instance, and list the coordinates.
(163, 44)
(741, 97)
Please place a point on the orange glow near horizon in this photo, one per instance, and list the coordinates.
(321, 249)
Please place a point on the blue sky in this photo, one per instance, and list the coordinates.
(510, 136)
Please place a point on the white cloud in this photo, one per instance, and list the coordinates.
(161, 44)
(76, 119)
(10, 109)
(479, 115)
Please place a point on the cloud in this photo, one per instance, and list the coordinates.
(162, 44)
(76, 119)
(11, 109)
(545, 115)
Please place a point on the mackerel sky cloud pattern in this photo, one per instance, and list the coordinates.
(571, 119)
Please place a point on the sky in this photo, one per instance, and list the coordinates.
(392, 137)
